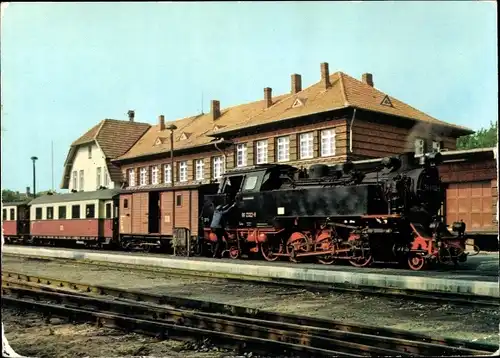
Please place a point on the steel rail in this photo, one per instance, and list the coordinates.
(418, 295)
(384, 338)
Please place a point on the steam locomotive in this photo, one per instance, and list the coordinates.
(389, 213)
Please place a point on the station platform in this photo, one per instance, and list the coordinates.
(478, 276)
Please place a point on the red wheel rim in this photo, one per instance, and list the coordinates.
(234, 253)
(416, 263)
(266, 253)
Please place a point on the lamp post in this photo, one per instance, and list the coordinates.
(171, 128)
(34, 159)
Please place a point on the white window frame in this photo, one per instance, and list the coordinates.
(419, 146)
(154, 175)
(167, 174)
(131, 177)
(217, 167)
(98, 177)
(183, 171)
(143, 176)
(81, 187)
(328, 144)
(261, 152)
(241, 155)
(436, 146)
(198, 163)
(106, 178)
(283, 149)
(75, 180)
(306, 145)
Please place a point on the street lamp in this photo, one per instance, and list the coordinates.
(171, 128)
(34, 159)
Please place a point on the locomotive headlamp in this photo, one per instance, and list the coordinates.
(391, 162)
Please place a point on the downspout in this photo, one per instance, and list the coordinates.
(350, 130)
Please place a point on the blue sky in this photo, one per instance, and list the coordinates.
(67, 66)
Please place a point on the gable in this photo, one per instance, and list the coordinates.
(160, 141)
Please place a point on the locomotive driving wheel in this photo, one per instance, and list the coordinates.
(362, 254)
(267, 252)
(297, 243)
(327, 259)
(234, 252)
(416, 262)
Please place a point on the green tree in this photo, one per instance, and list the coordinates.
(11, 195)
(483, 138)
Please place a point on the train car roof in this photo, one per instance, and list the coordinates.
(105, 194)
(15, 203)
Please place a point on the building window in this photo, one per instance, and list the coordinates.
(283, 149)
(75, 178)
(4, 213)
(306, 141)
(168, 173)
(178, 200)
(198, 169)
(154, 175)
(183, 171)
(81, 181)
(90, 211)
(90, 151)
(12, 214)
(328, 142)
(217, 167)
(106, 178)
(241, 155)
(49, 213)
(143, 176)
(131, 177)
(38, 213)
(262, 152)
(108, 211)
(62, 212)
(75, 211)
(98, 177)
(125, 203)
(436, 146)
(419, 146)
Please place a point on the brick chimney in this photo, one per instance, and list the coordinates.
(296, 83)
(325, 75)
(368, 79)
(131, 115)
(161, 122)
(268, 97)
(215, 109)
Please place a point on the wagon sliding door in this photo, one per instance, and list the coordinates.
(140, 213)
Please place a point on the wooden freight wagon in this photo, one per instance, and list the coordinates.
(15, 221)
(88, 218)
(167, 217)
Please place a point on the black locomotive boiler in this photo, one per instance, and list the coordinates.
(385, 213)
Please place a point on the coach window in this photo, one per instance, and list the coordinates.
(90, 211)
(12, 214)
(108, 211)
(38, 213)
(62, 212)
(75, 211)
(125, 203)
(49, 213)
(4, 213)
(179, 200)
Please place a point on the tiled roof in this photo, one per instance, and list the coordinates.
(344, 92)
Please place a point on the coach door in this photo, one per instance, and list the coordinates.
(125, 214)
(140, 213)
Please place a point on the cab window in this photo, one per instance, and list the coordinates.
(250, 182)
(12, 214)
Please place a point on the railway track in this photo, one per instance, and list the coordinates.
(234, 326)
(417, 295)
